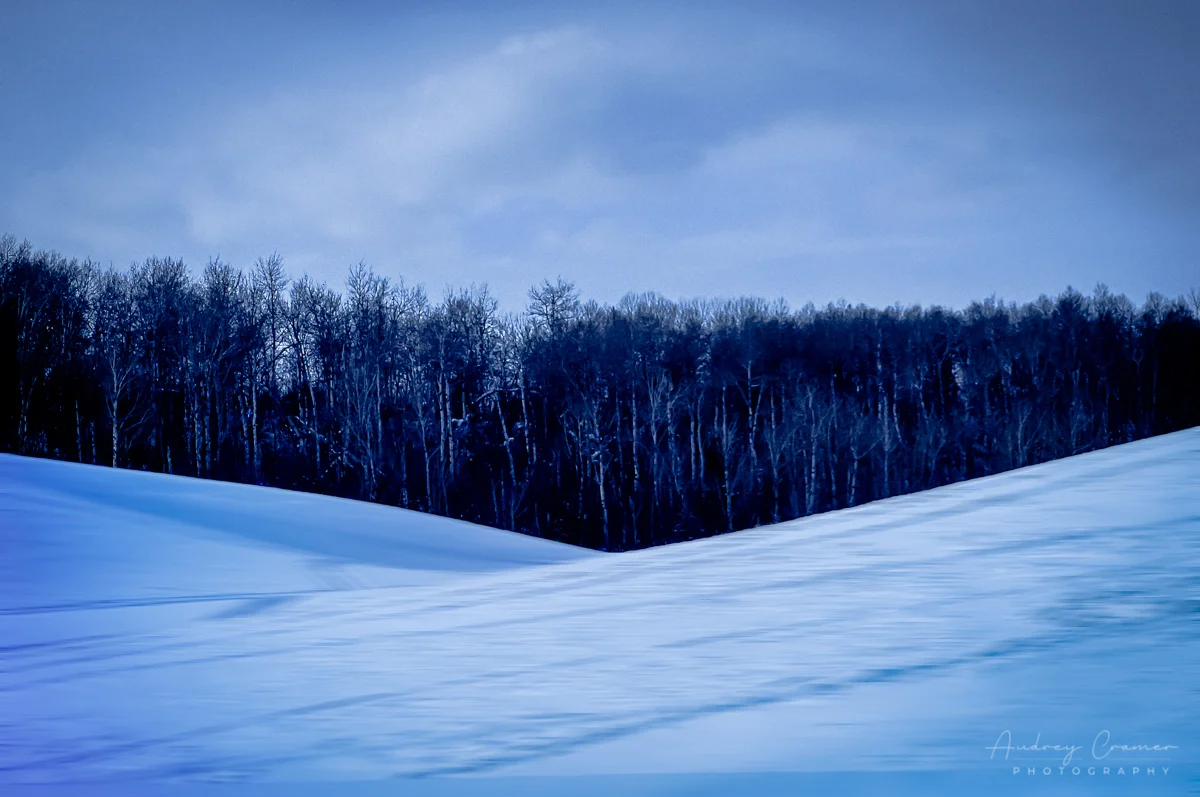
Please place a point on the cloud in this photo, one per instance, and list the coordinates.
(689, 160)
(340, 161)
(334, 163)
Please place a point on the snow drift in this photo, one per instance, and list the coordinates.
(155, 628)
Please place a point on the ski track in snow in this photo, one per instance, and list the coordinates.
(154, 633)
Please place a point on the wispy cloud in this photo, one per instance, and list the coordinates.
(335, 162)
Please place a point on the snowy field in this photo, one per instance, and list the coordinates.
(167, 635)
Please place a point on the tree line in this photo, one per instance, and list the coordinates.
(613, 427)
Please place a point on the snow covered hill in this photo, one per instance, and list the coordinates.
(158, 629)
(78, 534)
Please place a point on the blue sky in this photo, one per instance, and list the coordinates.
(911, 152)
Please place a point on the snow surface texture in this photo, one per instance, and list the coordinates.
(156, 629)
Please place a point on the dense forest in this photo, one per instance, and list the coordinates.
(611, 427)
